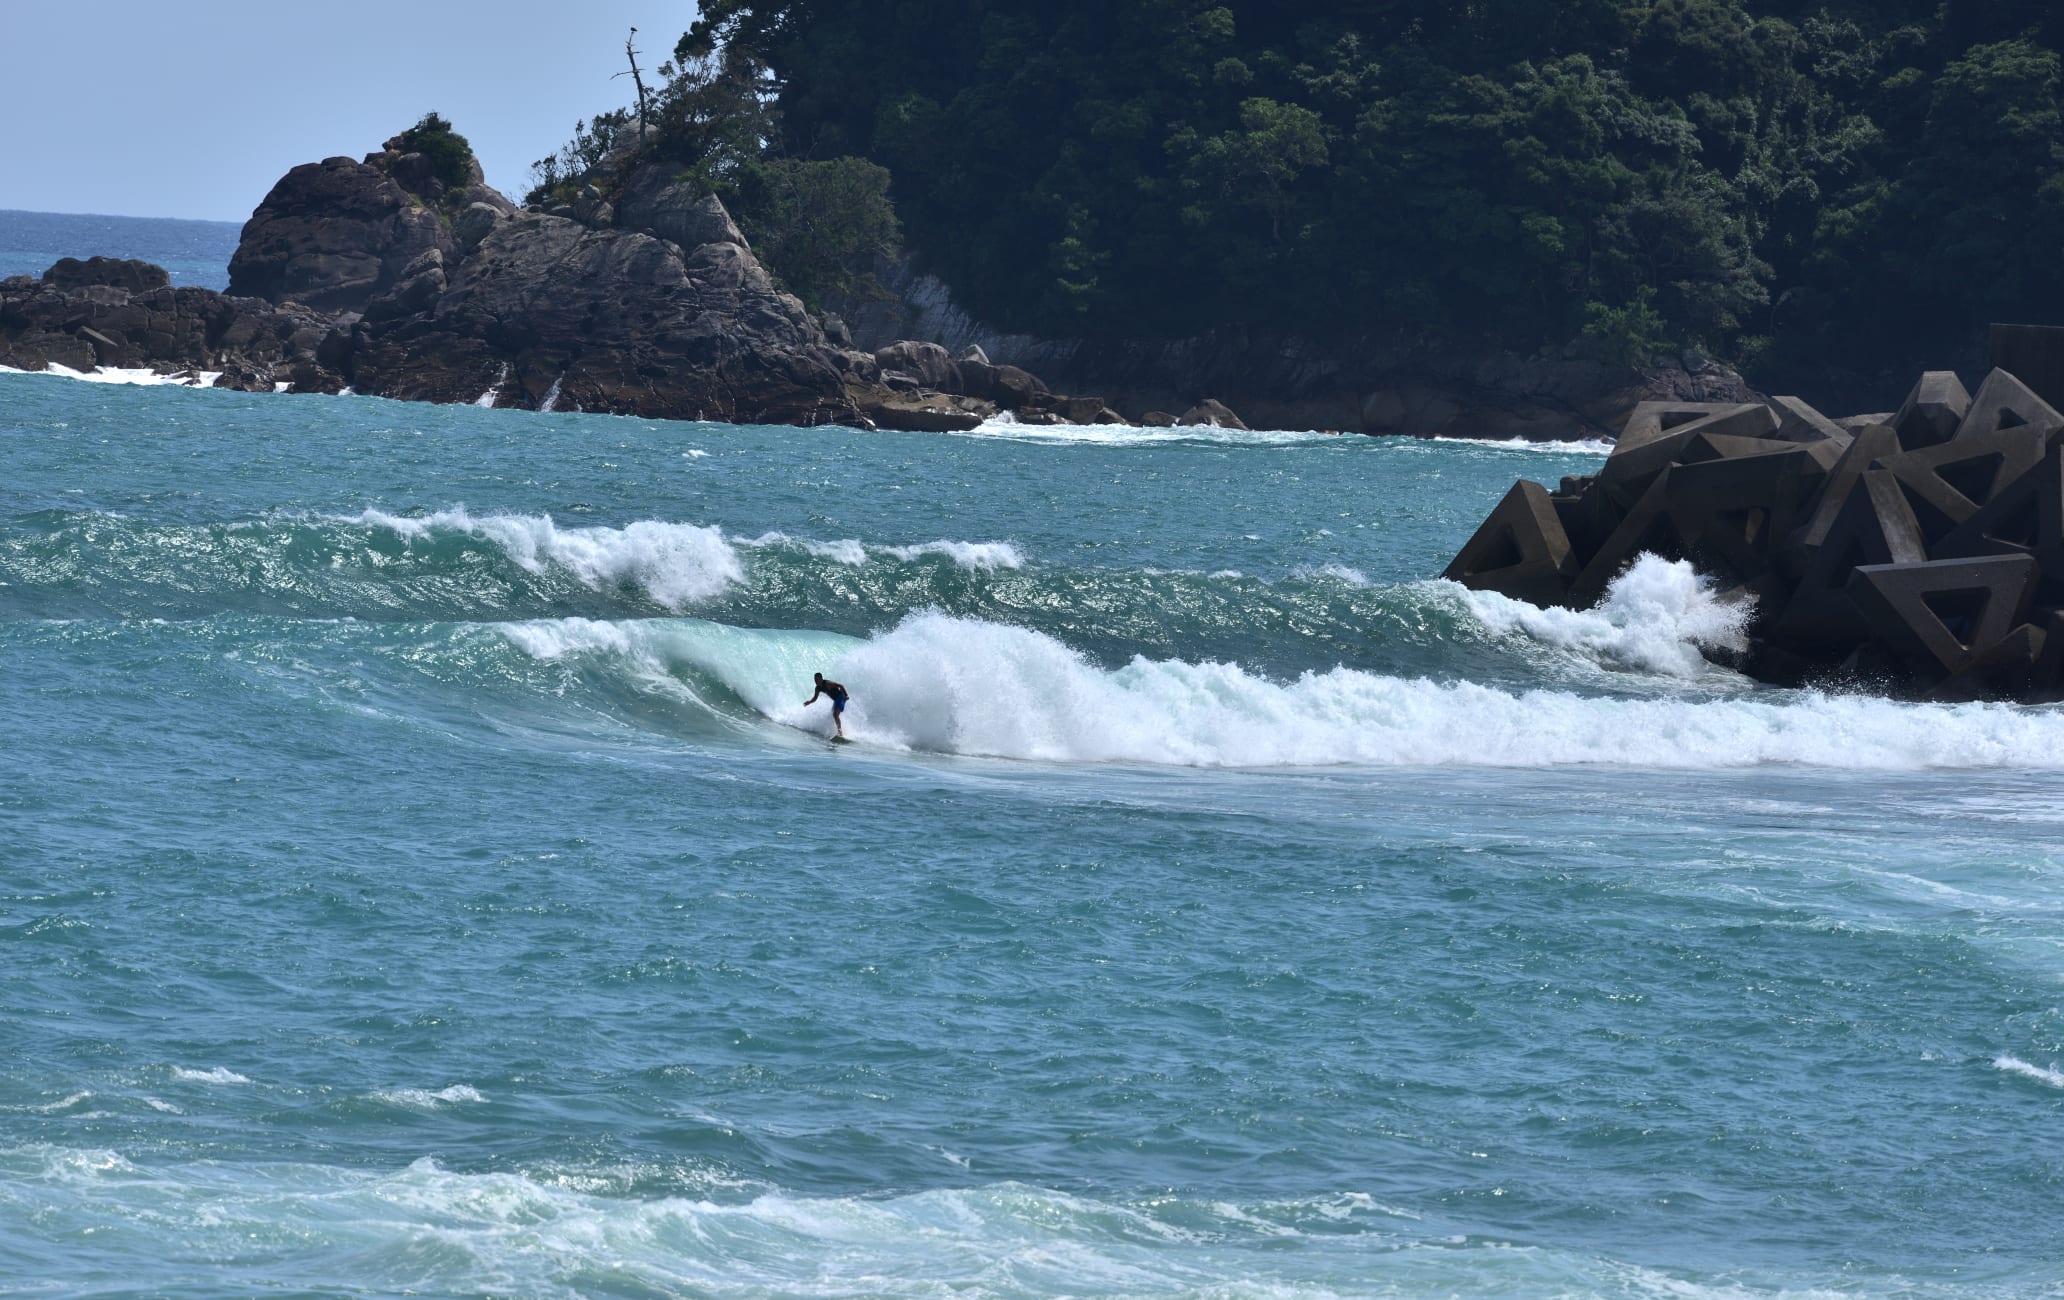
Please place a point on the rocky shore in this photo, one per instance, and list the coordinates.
(400, 276)
(405, 275)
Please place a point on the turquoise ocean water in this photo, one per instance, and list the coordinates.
(419, 876)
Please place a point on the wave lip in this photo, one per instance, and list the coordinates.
(675, 564)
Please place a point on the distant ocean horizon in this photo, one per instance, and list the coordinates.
(193, 252)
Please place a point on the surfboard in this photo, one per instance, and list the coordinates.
(840, 740)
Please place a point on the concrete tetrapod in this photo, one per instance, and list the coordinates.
(1875, 526)
(2004, 402)
(1938, 617)
(1947, 483)
(1520, 551)
(1933, 410)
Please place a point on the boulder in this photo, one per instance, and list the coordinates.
(332, 235)
(108, 272)
(1213, 413)
(678, 211)
(928, 363)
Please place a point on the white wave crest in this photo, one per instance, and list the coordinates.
(1655, 617)
(676, 565)
(968, 555)
(963, 686)
(1005, 426)
(425, 1099)
(2027, 1070)
(219, 1074)
(982, 556)
(1553, 447)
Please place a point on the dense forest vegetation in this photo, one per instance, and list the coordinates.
(1792, 184)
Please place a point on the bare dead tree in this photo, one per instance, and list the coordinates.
(632, 54)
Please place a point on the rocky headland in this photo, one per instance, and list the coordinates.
(404, 275)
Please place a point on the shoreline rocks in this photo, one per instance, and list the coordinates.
(403, 276)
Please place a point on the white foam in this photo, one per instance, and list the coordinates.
(114, 375)
(425, 1099)
(963, 686)
(1005, 426)
(968, 555)
(675, 564)
(551, 397)
(1655, 617)
(219, 1074)
(2015, 1065)
(431, 1230)
(1553, 447)
(844, 551)
(984, 556)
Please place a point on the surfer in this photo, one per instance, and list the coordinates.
(838, 701)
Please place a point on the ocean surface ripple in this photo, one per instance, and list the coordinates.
(419, 875)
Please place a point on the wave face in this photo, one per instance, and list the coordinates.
(404, 896)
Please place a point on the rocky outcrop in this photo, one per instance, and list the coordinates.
(405, 276)
(605, 320)
(331, 235)
(1923, 553)
(126, 315)
(678, 211)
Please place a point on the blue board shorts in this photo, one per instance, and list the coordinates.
(838, 705)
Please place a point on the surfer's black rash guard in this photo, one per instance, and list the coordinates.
(834, 690)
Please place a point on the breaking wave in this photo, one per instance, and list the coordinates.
(936, 683)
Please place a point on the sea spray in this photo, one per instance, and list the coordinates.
(1656, 617)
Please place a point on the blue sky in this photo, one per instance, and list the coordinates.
(158, 109)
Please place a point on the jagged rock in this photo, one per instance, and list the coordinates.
(835, 330)
(679, 211)
(476, 223)
(87, 314)
(622, 321)
(1158, 420)
(109, 272)
(331, 235)
(1212, 413)
(972, 352)
(1932, 411)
